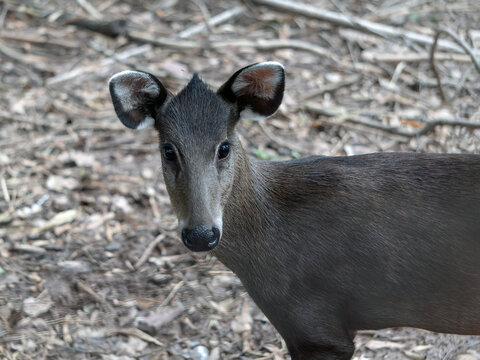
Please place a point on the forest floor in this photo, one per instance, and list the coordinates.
(91, 266)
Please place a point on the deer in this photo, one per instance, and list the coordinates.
(325, 245)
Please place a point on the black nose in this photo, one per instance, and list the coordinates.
(201, 238)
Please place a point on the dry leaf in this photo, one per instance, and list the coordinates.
(34, 307)
(155, 321)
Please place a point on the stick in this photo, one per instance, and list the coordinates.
(172, 293)
(271, 44)
(39, 63)
(434, 68)
(89, 68)
(355, 23)
(216, 20)
(332, 86)
(89, 8)
(355, 118)
(464, 46)
(136, 333)
(411, 57)
(205, 13)
(148, 251)
(84, 287)
(272, 137)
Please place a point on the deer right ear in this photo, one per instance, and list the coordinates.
(257, 90)
(137, 98)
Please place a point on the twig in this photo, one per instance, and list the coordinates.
(205, 13)
(411, 57)
(38, 63)
(355, 23)
(112, 28)
(3, 14)
(89, 8)
(434, 68)
(464, 46)
(333, 86)
(87, 289)
(216, 20)
(3, 185)
(272, 137)
(164, 42)
(358, 119)
(39, 39)
(172, 293)
(460, 42)
(270, 44)
(89, 68)
(148, 251)
(136, 333)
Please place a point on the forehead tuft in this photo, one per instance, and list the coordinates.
(196, 111)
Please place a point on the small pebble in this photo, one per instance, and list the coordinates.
(199, 352)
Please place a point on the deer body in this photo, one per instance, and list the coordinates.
(325, 246)
(368, 252)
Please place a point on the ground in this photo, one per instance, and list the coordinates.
(91, 266)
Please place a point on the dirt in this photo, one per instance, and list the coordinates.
(91, 266)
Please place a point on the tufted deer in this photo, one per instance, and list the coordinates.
(325, 246)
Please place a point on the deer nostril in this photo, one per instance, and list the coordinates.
(185, 238)
(216, 237)
(201, 238)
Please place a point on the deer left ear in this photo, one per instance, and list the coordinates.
(137, 98)
(257, 89)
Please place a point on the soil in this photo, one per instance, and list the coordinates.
(91, 266)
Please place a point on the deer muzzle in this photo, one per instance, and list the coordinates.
(201, 238)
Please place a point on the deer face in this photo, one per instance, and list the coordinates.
(197, 136)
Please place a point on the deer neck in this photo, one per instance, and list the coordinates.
(247, 217)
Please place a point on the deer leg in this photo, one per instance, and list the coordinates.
(333, 352)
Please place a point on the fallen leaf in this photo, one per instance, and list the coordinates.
(61, 183)
(34, 307)
(156, 320)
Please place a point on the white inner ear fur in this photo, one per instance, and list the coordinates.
(260, 80)
(128, 87)
(149, 121)
(249, 114)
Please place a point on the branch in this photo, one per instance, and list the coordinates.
(412, 57)
(464, 46)
(269, 44)
(355, 23)
(213, 21)
(357, 119)
(434, 68)
(460, 42)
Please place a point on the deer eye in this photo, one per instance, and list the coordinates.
(223, 150)
(169, 153)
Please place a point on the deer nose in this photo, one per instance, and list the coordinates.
(201, 238)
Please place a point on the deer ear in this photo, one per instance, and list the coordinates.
(137, 98)
(257, 89)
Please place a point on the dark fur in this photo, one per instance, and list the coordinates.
(330, 245)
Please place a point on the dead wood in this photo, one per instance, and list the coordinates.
(354, 22)
(356, 118)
